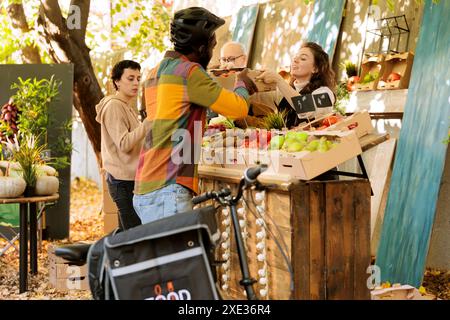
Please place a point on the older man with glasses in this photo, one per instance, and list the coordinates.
(233, 55)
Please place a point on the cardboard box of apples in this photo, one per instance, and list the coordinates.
(306, 155)
(300, 154)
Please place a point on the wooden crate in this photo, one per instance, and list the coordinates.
(331, 240)
(326, 227)
(371, 64)
(64, 276)
(401, 64)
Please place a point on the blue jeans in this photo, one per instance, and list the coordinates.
(162, 203)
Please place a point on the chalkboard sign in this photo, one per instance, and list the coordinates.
(303, 103)
(322, 100)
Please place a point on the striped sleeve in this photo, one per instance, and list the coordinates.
(204, 91)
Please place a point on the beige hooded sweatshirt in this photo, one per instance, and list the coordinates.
(122, 136)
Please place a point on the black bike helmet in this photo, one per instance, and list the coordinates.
(193, 26)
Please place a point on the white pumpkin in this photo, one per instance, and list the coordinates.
(46, 185)
(46, 170)
(11, 187)
(12, 165)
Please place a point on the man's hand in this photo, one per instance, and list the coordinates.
(269, 77)
(249, 84)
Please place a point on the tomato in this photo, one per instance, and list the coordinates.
(330, 121)
(352, 81)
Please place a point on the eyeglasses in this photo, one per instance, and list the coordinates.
(230, 59)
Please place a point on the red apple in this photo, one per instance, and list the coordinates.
(394, 76)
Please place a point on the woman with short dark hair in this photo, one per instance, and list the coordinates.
(122, 137)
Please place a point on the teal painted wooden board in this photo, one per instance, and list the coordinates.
(324, 24)
(420, 158)
(245, 26)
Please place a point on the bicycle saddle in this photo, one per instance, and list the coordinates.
(74, 253)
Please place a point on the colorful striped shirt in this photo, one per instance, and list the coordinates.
(177, 93)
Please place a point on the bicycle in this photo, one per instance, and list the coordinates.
(100, 286)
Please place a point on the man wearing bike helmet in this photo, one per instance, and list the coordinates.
(177, 94)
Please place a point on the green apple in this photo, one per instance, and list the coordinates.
(291, 135)
(288, 142)
(296, 146)
(301, 136)
(276, 143)
(323, 145)
(313, 145)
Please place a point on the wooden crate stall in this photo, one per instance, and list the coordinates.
(322, 227)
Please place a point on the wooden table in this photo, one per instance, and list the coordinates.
(28, 208)
(372, 140)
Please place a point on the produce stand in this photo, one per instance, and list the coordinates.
(322, 227)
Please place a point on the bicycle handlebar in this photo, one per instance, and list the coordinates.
(249, 178)
(251, 174)
(211, 195)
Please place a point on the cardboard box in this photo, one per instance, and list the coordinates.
(360, 121)
(307, 165)
(396, 65)
(228, 79)
(64, 276)
(108, 204)
(110, 221)
(400, 292)
(230, 158)
(371, 64)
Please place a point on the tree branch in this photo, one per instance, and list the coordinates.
(52, 11)
(17, 16)
(30, 53)
(65, 49)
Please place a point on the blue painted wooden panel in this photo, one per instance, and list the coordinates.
(245, 26)
(324, 24)
(420, 158)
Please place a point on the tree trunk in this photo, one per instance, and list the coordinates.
(68, 46)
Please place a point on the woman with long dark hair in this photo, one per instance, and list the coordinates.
(310, 74)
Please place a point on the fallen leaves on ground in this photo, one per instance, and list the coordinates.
(437, 283)
(86, 224)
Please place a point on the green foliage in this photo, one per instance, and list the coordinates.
(391, 3)
(13, 40)
(144, 28)
(275, 121)
(33, 98)
(342, 98)
(350, 68)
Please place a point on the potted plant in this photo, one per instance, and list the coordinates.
(27, 158)
(33, 100)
